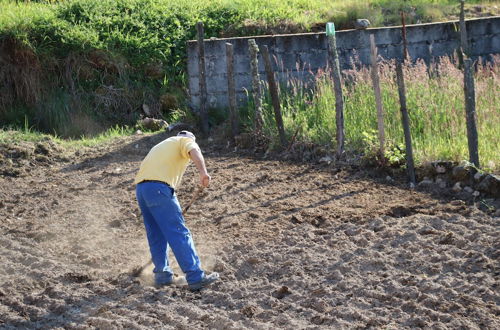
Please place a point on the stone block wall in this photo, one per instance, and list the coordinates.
(298, 54)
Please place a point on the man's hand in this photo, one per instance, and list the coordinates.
(205, 180)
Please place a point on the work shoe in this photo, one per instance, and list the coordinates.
(163, 279)
(205, 281)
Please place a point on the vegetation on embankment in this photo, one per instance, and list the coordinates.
(77, 67)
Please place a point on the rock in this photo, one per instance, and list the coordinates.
(153, 124)
(326, 159)
(389, 179)
(427, 230)
(441, 183)
(457, 187)
(138, 132)
(497, 213)
(447, 238)
(336, 275)
(468, 190)
(442, 167)
(352, 231)
(180, 127)
(490, 185)
(425, 183)
(460, 173)
(253, 260)
(479, 176)
(146, 110)
(281, 292)
(476, 193)
(361, 23)
(377, 225)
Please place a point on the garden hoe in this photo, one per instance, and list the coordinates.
(136, 272)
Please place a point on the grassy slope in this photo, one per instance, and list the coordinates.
(144, 36)
(148, 30)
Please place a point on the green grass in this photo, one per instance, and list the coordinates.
(435, 103)
(146, 30)
(13, 136)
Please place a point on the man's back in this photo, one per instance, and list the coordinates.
(167, 161)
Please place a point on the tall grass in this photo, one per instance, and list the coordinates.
(435, 100)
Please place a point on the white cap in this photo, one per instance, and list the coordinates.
(187, 134)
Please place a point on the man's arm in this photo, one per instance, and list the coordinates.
(199, 162)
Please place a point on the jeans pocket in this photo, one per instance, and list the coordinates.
(167, 191)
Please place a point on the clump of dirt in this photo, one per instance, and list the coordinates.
(298, 245)
(18, 159)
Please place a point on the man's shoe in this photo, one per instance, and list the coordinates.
(205, 281)
(163, 279)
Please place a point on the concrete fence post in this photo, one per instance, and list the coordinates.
(406, 122)
(406, 55)
(202, 77)
(470, 112)
(463, 31)
(231, 91)
(256, 86)
(333, 59)
(378, 96)
(273, 89)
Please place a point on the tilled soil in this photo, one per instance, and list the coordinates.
(297, 246)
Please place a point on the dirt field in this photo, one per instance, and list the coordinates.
(297, 246)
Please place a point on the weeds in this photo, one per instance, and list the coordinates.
(436, 107)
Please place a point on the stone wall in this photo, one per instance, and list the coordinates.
(301, 55)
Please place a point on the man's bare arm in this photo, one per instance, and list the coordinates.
(199, 162)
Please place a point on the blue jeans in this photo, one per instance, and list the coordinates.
(165, 227)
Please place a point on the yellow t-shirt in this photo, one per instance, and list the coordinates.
(167, 161)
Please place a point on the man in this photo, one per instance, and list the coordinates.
(159, 175)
